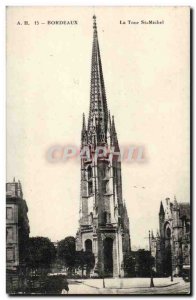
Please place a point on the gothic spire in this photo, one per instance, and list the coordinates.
(83, 133)
(98, 102)
(83, 123)
(175, 206)
(161, 211)
(109, 121)
(113, 125)
(114, 135)
(109, 127)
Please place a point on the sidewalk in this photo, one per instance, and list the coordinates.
(129, 286)
(120, 283)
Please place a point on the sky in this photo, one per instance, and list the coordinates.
(146, 73)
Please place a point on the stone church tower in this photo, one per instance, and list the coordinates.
(103, 223)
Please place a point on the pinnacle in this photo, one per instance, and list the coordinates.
(83, 123)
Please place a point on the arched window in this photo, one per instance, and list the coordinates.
(89, 172)
(167, 231)
(88, 246)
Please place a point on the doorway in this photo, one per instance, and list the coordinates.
(108, 257)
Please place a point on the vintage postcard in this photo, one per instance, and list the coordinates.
(98, 151)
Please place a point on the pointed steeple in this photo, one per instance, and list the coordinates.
(109, 128)
(114, 136)
(113, 125)
(101, 181)
(98, 102)
(83, 123)
(175, 206)
(109, 122)
(161, 211)
(83, 133)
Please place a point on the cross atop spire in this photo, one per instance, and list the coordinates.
(98, 103)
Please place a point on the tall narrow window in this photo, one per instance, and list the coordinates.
(105, 186)
(109, 218)
(90, 182)
(90, 188)
(104, 217)
(89, 172)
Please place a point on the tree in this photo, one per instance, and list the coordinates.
(41, 254)
(80, 261)
(66, 251)
(72, 259)
(144, 263)
(89, 262)
(129, 264)
(85, 260)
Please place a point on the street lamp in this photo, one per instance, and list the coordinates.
(103, 263)
(172, 279)
(103, 281)
(169, 237)
(151, 276)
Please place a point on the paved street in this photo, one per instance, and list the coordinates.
(129, 286)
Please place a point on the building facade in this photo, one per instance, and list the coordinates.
(174, 240)
(17, 231)
(103, 219)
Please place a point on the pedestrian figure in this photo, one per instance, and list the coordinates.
(66, 287)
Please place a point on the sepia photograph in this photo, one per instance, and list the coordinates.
(98, 197)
